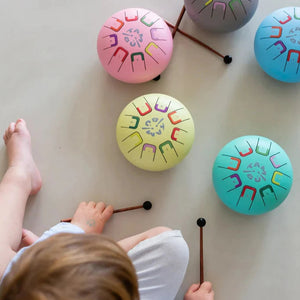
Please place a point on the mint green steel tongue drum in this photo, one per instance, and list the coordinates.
(252, 175)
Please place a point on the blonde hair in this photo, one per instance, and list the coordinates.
(72, 267)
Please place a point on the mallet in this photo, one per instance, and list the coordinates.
(175, 28)
(147, 205)
(227, 59)
(201, 223)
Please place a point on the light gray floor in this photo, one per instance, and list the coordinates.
(50, 75)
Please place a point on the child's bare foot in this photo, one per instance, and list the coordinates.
(18, 142)
(91, 217)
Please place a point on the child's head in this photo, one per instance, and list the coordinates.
(72, 266)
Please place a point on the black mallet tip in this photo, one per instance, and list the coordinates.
(147, 205)
(156, 78)
(201, 222)
(227, 59)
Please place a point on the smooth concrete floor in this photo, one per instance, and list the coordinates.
(50, 75)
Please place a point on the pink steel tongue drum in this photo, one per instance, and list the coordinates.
(135, 45)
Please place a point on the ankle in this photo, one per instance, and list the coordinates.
(20, 176)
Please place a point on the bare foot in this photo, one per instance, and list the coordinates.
(18, 142)
(91, 217)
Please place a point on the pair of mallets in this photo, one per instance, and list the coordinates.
(147, 205)
(227, 59)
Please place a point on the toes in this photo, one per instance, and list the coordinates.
(9, 131)
(21, 121)
(20, 124)
(5, 134)
(11, 128)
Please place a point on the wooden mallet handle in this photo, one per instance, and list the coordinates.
(201, 222)
(147, 205)
(227, 59)
(175, 28)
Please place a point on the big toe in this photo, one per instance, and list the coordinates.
(21, 125)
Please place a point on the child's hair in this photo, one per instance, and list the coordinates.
(72, 267)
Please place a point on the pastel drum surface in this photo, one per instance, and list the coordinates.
(135, 45)
(155, 132)
(252, 175)
(221, 16)
(277, 44)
